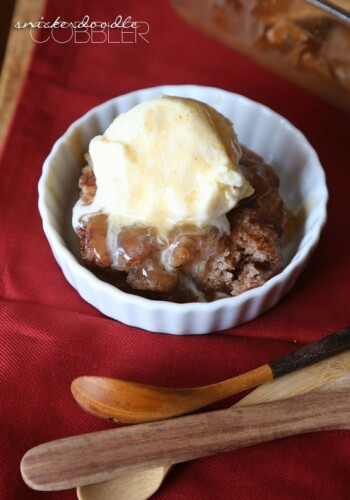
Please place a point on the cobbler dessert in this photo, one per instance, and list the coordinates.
(173, 208)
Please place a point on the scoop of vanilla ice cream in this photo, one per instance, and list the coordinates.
(169, 160)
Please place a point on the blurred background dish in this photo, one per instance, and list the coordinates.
(307, 42)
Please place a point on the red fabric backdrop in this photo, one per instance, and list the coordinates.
(49, 335)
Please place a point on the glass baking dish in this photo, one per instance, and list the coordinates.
(307, 42)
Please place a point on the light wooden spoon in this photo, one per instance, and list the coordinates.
(130, 402)
(142, 485)
(101, 456)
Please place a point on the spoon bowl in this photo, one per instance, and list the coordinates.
(132, 486)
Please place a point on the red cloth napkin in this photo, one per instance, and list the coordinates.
(49, 335)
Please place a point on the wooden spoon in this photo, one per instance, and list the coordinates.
(129, 402)
(100, 456)
(141, 485)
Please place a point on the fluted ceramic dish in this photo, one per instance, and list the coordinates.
(302, 187)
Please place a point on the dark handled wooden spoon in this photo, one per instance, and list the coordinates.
(130, 402)
(101, 456)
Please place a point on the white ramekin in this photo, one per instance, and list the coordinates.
(302, 187)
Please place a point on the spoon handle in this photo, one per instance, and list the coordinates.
(322, 349)
(100, 456)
